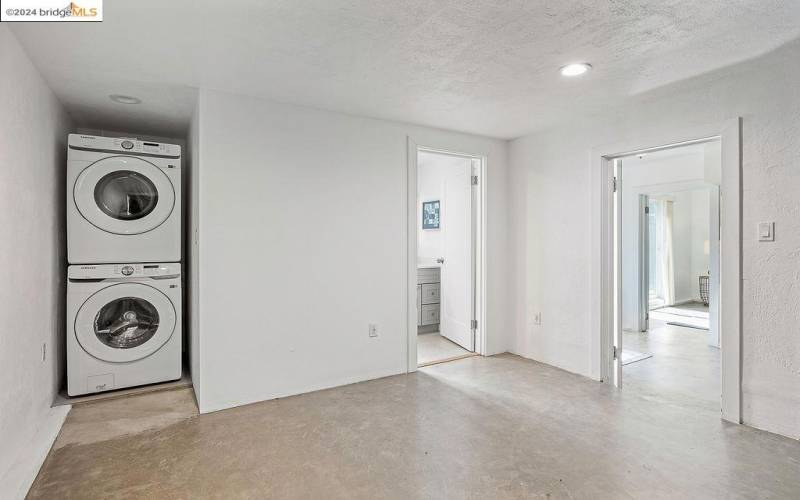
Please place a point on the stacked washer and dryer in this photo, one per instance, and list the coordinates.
(124, 253)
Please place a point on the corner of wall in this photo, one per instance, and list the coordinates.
(19, 478)
(192, 264)
(33, 130)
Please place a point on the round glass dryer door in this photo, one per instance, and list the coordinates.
(125, 322)
(124, 195)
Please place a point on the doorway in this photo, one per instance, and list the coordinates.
(669, 252)
(448, 254)
(609, 308)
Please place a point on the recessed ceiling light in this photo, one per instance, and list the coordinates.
(575, 69)
(125, 99)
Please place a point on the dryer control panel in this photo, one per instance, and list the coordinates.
(132, 270)
(129, 145)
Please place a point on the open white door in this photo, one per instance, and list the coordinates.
(457, 269)
(617, 331)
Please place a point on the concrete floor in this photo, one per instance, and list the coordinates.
(476, 428)
(432, 347)
(684, 369)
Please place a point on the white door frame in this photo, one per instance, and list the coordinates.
(714, 266)
(479, 252)
(603, 265)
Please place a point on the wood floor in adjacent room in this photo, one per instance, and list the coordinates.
(477, 428)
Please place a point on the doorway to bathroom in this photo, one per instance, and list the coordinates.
(447, 234)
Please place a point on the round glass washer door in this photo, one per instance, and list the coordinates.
(125, 322)
(124, 195)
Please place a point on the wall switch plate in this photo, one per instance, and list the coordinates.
(766, 231)
(373, 330)
(537, 318)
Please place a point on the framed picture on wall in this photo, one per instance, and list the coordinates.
(430, 214)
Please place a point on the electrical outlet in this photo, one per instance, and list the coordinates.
(537, 318)
(373, 330)
(766, 231)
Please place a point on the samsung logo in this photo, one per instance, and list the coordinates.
(88, 267)
(88, 137)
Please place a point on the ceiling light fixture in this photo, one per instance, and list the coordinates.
(575, 69)
(125, 99)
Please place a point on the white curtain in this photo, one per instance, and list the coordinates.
(664, 252)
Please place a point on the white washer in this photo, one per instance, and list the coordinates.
(123, 200)
(123, 326)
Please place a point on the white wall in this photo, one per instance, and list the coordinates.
(690, 231)
(551, 206)
(33, 135)
(433, 169)
(681, 241)
(303, 243)
(700, 224)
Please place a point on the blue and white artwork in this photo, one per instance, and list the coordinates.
(430, 215)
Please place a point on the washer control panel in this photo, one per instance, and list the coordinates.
(124, 144)
(132, 270)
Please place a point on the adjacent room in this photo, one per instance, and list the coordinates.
(670, 248)
(399, 250)
(447, 256)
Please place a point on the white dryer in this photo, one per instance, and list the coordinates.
(123, 326)
(123, 200)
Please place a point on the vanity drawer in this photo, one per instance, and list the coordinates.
(428, 275)
(430, 293)
(430, 314)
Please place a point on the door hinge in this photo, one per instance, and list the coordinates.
(474, 180)
(614, 184)
(647, 315)
(474, 324)
(614, 352)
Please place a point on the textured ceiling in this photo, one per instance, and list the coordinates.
(486, 67)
